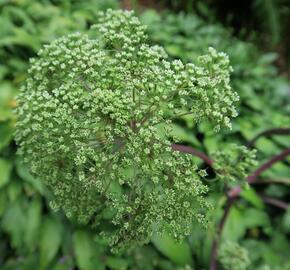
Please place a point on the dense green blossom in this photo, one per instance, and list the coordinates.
(233, 257)
(94, 124)
(234, 163)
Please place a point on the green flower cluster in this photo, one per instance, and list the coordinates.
(94, 124)
(233, 257)
(234, 163)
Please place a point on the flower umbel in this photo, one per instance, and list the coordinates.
(91, 122)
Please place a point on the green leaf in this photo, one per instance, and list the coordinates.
(5, 171)
(254, 218)
(184, 135)
(14, 190)
(178, 253)
(234, 227)
(251, 196)
(6, 133)
(13, 222)
(116, 263)
(173, 50)
(240, 220)
(61, 267)
(33, 223)
(86, 252)
(21, 37)
(24, 173)
(6, 95)
(3, 201)
(50, 240)
(268, 58)
(286, 221)
(267, 146)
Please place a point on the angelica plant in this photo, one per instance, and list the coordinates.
(233, 257)
(94, 123)
(234, 164)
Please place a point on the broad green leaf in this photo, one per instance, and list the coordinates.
(211, 143)
(22, 37)
(255, 218)
(6, 95)
(286, 220)
(6, 133)
(184, 135)
(164, 264)
(116, 263)
(173, 50)
(279, 169)
(60, 266)
(27, 262)
(3, 201)
(13, 223)
(14, 190)
(251, 196)
(268, 58)
(246, 128)
(280, 244)
(86, 252)
(24, 173)
(266, 146)
(241, 219)
(179, 253)
(234, 227)
(50, 240)
(32, 227)
(277, 191)
(5, 171)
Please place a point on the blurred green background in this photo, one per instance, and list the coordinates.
(255, 34)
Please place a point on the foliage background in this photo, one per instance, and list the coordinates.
(32, 236)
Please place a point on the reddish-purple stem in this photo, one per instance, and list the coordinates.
(191, 150)
(229, 203)
(275, 202)
(251, 178)
(269, 132)
(234, 192)
(285, 181)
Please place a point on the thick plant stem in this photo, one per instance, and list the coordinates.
(269, 132)
(275, 202)
(251, 178)
(276, 180)
(191, 150)
(215, 244)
